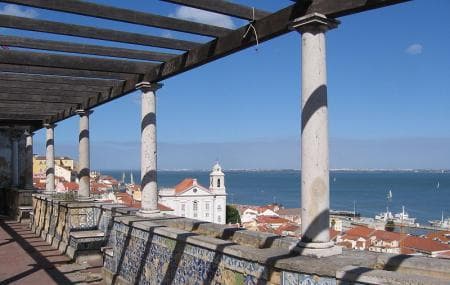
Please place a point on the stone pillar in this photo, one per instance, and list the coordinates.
(315, 192)
(84, 155)
(28, 160)
(149, 185)
(15, 159)
(50, 158)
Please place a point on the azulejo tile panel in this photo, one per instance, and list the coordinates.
(154, 259)
(294, 278)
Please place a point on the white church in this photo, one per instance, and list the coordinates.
(192, 200)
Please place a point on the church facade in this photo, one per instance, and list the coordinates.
(192, 200)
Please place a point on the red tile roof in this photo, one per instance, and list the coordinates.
(360, 231)
(442, 236)
(271, 220)
(388, 236)
(130, 202)
(423, 244)
(71, 186)
(183, 185)
(288, 228)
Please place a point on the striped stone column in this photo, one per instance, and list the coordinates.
(315, 187)
(50, 158)
(149, 184)
(84, 155)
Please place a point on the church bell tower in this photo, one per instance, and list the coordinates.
(217, 179)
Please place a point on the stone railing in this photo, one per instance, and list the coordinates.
(174, 250)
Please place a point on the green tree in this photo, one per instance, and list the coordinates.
(389, 226)
(232, 215)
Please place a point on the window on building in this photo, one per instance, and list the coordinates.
(183, 209)
(207, 206)
(218, 183)
(195, 209)
(206, 215)
(219, 219)
(219, 208)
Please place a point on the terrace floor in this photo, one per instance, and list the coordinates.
(26, 259)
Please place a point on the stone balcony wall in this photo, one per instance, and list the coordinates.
(174, 250)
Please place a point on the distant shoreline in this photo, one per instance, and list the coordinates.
(281, 170)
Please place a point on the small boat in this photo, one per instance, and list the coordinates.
(403, 218)
(384, 216)
(442, 223)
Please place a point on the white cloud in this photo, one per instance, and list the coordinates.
(15, 10)
(414, 49)
(205, 17)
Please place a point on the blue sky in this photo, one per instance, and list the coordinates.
(388, 94)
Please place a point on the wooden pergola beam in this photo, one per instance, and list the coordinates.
(74, 62)
(28, 89)
(26, 69)
(19, 107)
(223, 7)
(23, 23)
(15, 98)
(267, 28)
(52, 86)
(125, 15)
(12, 41)
(8, 76)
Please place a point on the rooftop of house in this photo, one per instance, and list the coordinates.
(360, 231)
(271, 220)
(387, 236)
(186, 184)
(424, 244)
(442, 236)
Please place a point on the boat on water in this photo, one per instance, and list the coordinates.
(401, 218)
(442, 223)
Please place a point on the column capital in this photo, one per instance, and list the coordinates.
(83, 112)
(147, 86)
(314, 22)
(49, 125)
(28, 133)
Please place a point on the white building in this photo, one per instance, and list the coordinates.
(192, 200)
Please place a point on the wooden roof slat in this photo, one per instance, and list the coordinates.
(18, 106)
(24, 97)
(22, 117)
(59, 79)
(26, 110)
(267, 28)
(125, 15)
(52, 86)
(23, 23)
(223, 7)
(29, 89)
(21, 42)
(73, 62)
(25, 69)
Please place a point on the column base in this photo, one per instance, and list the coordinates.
(148, 213)
(318, 249)
(84, 199)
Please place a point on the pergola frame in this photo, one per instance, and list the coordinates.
(46, 87)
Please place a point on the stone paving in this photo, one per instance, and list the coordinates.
(26, 259)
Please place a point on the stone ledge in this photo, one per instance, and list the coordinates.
(87, 234)
(366, 275)
(409, 264)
